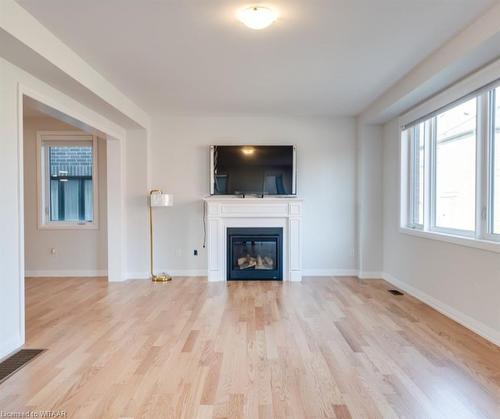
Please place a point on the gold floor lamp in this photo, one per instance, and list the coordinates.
(157, 199)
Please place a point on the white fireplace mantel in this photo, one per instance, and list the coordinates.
(229, 211)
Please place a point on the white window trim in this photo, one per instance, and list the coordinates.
(487, 208)
(64, 138)
(483, 244)
(412, 181)
(481, 238)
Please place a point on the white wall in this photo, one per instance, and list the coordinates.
(12, 290)
(136, 179)
(370, 200)
(326, 153)
(78, 252)
(461, 281)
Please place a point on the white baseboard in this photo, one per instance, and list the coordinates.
(137, 275)
(172, 272)
(329, 272)
(10, 346)
(472, 324)
(305, 272)
(370, 275)
(343, 272)
(67, 273)
(186, 272)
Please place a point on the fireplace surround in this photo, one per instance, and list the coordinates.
(227, 212)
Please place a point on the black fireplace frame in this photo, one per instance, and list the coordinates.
(259, 233)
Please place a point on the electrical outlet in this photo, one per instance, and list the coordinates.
(195, 252)
(53, 251)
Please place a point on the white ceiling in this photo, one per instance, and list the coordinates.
(322, 57)
(32, 108)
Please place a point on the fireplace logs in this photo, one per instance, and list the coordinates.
(259, 262)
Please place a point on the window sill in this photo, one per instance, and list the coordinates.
(488, 245)
(69, 226)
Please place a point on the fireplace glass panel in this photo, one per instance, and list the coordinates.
(255, 254)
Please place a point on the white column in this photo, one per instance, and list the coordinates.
(295, 242)
(214, 240)
(115, 150)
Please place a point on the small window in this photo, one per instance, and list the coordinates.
(68, 184)
(455, 168)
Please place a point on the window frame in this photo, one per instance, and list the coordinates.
(483, 236)
(63, 138)
(413, 177)
(488, 208)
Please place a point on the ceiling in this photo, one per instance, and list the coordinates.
(322, 57)
(32, 108)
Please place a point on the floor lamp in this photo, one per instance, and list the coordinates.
(157, 199)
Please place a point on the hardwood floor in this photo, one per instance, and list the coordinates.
(330, 348)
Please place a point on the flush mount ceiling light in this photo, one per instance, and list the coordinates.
(257, 17)
(247, 151)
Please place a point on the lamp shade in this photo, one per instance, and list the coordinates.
(160, 199)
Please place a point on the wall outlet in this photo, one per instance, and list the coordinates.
(53, 251)
(195, 252)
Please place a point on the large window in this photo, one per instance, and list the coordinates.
(451, 169)
(67, 180)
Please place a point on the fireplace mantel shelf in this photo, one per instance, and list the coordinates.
(223, 212)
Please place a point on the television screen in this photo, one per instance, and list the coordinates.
(260, 170)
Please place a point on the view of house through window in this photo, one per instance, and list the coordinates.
(67, 178)
(455, 193)
(71, 191)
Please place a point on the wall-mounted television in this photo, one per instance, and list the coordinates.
(253, 170)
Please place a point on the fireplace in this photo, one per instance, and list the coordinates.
(284, 214)
(254, 253)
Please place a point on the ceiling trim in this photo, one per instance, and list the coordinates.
(18, 23)
(474, 47)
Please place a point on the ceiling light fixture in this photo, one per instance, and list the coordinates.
(257, 17)
(248, 151)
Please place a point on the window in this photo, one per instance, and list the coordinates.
(67, 180)
(495, 161)
(455, 167)
(451, 170)
(416, 138)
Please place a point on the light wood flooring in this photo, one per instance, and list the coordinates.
(323, 348)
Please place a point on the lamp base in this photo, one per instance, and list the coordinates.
(163, 277)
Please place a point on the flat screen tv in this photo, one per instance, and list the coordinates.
(252, 170)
